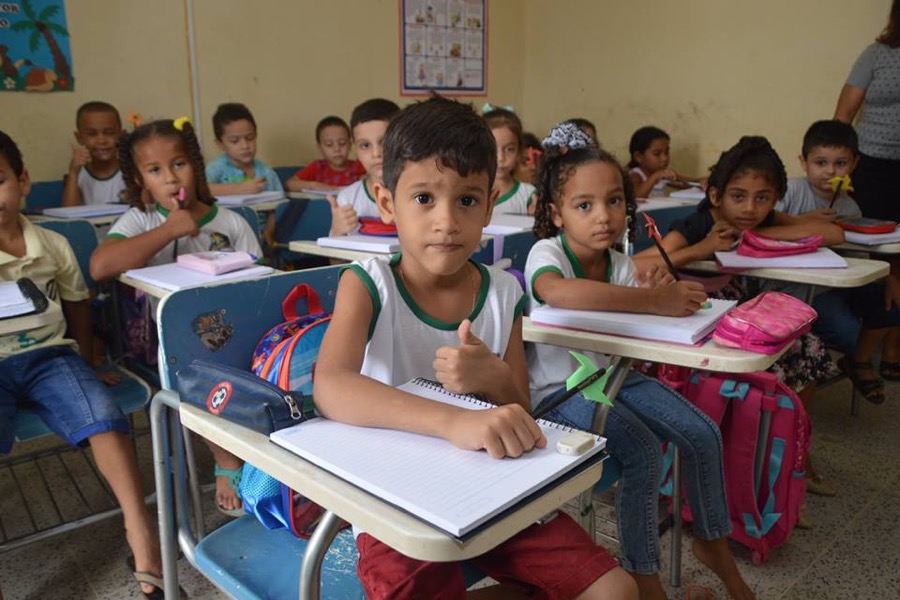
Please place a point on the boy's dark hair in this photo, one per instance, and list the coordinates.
(162, 128)
(439, 128)
(584, 124)
(529, 140)
(10, 151)
(557, 165)
(96, 106)
(502, 117)
(331, 121)
(890, 37)
(376, 109)
(642, 139)
(229, 113)
(830, 133)
(751, 153)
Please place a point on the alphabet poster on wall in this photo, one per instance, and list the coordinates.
(444, 46)
(34, 47)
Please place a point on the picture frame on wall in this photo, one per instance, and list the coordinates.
(443, 47)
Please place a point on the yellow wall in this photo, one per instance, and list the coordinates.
(706, 71)
(291, 66)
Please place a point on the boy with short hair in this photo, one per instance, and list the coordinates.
(334, 170)
(830, 149)
(41, 366)
(94, 176)
(368, 123)
(237, 170)
(431, 311)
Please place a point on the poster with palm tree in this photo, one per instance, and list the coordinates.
(34, 47)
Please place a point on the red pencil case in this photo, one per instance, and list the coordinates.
(866, 225)
(375, 226)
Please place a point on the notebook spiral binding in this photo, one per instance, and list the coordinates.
(479, 401)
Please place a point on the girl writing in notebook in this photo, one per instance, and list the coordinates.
(649, 165)
(580, 214)
(744, 186)
(163, 158)
(514, 196)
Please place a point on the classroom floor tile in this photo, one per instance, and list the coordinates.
(852, 551)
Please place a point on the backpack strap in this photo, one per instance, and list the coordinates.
(768, 516)
(300, 292)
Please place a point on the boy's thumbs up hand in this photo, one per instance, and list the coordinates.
(466, 368)
(343, 218)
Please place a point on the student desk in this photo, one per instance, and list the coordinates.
(345, 501)
(160, 292)
(859, 271)
(53, 314)
(98, 221)
(891, 248)
(311, 247)
(658, 203)
(710, 356)
(311, 195)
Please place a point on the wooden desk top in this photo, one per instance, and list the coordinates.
(311, 247)
(859, 271)
(710, 356)
(384, 521)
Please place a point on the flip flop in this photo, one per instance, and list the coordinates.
(697, 592)
(234, 480)
(890, 370)
(149, 578)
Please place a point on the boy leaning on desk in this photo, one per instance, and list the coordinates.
(432, 310)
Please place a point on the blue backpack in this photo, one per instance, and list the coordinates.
(286, 356)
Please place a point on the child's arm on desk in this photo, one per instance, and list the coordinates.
(790, 227)
(115, 256)
(679, 298)
(722, 237)
(342, 393)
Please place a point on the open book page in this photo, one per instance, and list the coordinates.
(681, 330)
(455, 490)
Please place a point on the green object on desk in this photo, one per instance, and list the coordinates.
(586, 368)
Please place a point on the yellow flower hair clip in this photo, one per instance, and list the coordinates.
(179, 123)
(135, 119)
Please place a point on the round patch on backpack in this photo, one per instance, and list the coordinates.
(218, 397)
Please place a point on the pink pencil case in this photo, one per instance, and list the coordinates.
(760, 246)
(215, 262)
(765, 324)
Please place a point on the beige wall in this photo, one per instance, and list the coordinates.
(291, 66)
(706, 71)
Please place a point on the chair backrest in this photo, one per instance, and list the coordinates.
(82, 236)
(664, 218)
(45, 194)
(223, 323)
(285, 173)
(516, 248)
(252, 218)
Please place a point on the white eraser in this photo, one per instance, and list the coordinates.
(575, 443)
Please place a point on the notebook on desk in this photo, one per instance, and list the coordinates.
(85, 211)
(680, 330)
(823, 258)
(872, 239)
(173, 277)
(452, 489)
(364, 243)
(245, 199)
(506, 224)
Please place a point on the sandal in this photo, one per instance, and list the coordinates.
(871, 389)
(156, 581)
(234, 480)
(890, 370)
(697, 592)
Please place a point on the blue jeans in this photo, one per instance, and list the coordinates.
(64, 391)
(844, 312)
(643, 413)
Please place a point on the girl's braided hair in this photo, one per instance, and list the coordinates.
(166, 128)
(566, 148)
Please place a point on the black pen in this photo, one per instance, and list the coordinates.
(586, 382)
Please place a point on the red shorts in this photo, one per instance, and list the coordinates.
(555, 560)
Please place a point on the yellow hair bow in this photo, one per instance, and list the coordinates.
(179, 123)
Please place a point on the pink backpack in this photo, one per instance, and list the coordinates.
(766, 323)
(763, 515)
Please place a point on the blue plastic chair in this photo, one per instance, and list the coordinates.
(664, 218)
(45, 194)
(285, 173)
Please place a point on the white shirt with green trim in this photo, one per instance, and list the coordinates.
(101, 191)
(550, 366)
(516, 200)
(403, 339)
(220, 229)
(358, 196)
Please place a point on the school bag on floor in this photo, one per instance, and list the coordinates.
(762, 519)
(286, 356)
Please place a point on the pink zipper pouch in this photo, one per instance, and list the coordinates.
(760, 246)
(765, 324)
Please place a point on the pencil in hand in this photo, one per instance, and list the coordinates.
(653, 231)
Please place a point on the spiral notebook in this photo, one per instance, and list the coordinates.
(455, 490)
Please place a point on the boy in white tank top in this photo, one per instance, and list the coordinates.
(431, 312)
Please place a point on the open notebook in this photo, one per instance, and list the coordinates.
(872, 239)
(85, 211)
(363, 243)
(244, 199)
(681, 330)
(455, 490)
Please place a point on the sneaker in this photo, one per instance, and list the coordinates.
(818, 486)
